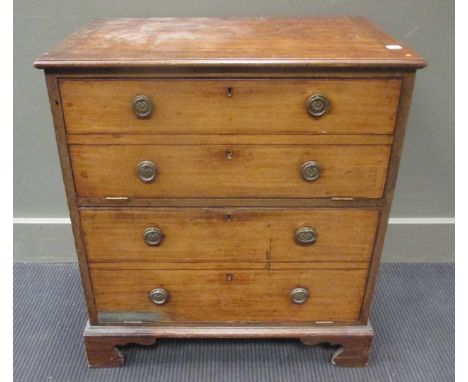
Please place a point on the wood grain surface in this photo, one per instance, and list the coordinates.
(231, 295)
(254, 171)
(354, 340)
(204, 265)
(358, 106)
(228, 235)
(397, 148)
(228, 139)
(312, 42)
(332, 202)
(70, 191)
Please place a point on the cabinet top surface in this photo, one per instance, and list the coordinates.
(222, 42)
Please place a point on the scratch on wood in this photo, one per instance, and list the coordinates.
(268, 255)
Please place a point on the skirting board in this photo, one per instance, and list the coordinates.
(408, 240)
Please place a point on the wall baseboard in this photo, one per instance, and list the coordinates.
(408, 240)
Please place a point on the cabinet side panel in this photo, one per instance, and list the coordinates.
(395, 156)
(57, 114)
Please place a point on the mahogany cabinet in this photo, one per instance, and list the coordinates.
(229, 177)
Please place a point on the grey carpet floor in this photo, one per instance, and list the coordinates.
(413, 315)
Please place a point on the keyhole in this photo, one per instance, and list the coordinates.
(230, 92)
(229, 276)
(228, 217)
(229, 154)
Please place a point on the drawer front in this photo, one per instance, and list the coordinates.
(254, 171)
(229, 235)
(237, 295)
(355, 106)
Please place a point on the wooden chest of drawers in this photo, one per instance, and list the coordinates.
(229, 177)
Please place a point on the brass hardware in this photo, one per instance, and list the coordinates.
(153, 236)
(116, 197)
(299, 295)
(159, 296)
(305, 236)
(142, 106)
(310, 170)
(228, 154)
(230, 92)
(147, 171)
(317, 105)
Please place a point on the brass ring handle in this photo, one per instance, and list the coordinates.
(153, 236)
(305, 236)
(310, 170)
(142, 106)
(299, 295)
(317, 105)
(147, 171)
(159, 296)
